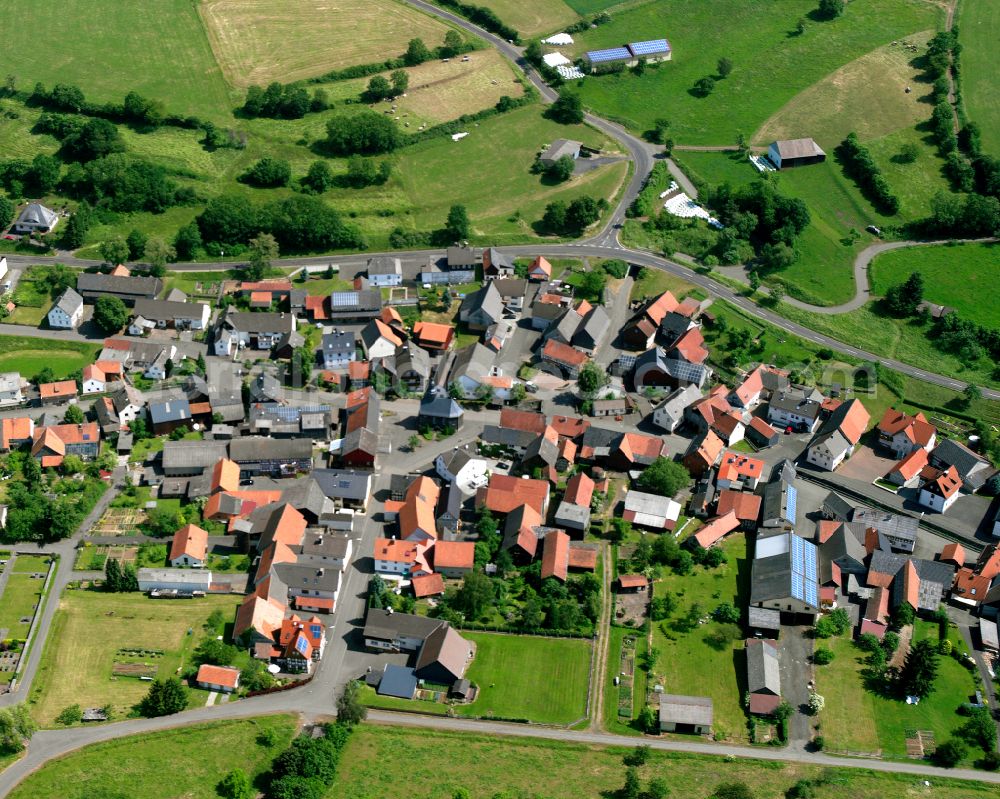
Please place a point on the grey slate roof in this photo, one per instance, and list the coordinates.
(36, 213)
(972, 468)
(171, 410)
(192, 454)
(836, 507)
(487, 299)
(594, 327)
(386, 626)
(763, 618)
(437, 403)
(795, 402)
(259, 322)
(507, 437)
(136, 286)
(251, 449)
(384, 265)
(763, 673)
(677, 709)
(339, 343)
(69, 302)
(157, 310)
(343, 484)
(474, 362)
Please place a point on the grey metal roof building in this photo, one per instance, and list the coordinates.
(785, 574)
(763, 673)
(593, 330)
(191, 457)
(171, 410)
(346, 486)
(362, 304)
(901, 531)
(92, 285)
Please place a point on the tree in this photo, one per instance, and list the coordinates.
(95, 139)
(950, 753)
(136, 241)
(236, 785)
(75, 233)
(657, 789)
(157, 253)
(452, 44)
(400, 82)
(475, 595)
(73, 415)
(378, 89)
(704, 86)
(903, 615)
(816, 703)
(110, 314)
(366, 133)
(554, 218)
(664, 477)
(904, 298)
(187, 241)
(70, 715)
(361, 171)
(416, 53)
(638, 756)
(561, 169)
(908, 153)
(263, 250)
(831, 9)
(518, 393)
(724, 67)
(582, 212)
(164, 698)
(732, 790)
(822, 656)
(350, 711)
(567, 109)
(632, 788)
(16, 727)
(726, 613)
(919, 671)
(616, 267)
(319, 178)
(592, 378)
(979, 729)
(6, 212)
(269, 172)
(458, 225)
(216, 652)
(972, 393)
(43, 176)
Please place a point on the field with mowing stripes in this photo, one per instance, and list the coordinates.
(534, 17)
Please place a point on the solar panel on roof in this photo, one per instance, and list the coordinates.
(610, 54)
(651, 47)
(682, 370)
(341, 299)
(302, 644)
(793, 496)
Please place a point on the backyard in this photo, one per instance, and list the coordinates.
(689, 647)
(30, 355)
(92, 631)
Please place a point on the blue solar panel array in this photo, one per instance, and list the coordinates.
(652, 47)
(287, 413)
(805, 571)
(302, 644)
(792, 499)
(611, 54)
(342, 299)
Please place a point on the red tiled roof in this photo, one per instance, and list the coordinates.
(71, 433)
(290, 527)
(762, 427)
(582, 557)
(260, 298)
(218, 675)
(418, 510)
(427, 585)
(854, 422)
(632, 580)
(910, 466)
(915, 427)
(540, 266)
(751, 386)
(827, 528)
(661, 306)
(225, 475)
(563, 353)
(390, 316)
(63, 388)
(737, 467)
(121, 271)
(15, 429)
(689, 345)
(454, 554)
(988, 563)
(358, 370)
(270, 285)
(716, 529)
(317, 307)
(688, 307)
(109, 367)
(190, 540)
(637, 445)
(569, 426)
(764, 704)
(579, 490)
(505, 493)
(745, 506)
(93, 372)
(528, 421)
(911, 585)
(555, 555)
(388, 333)
(946, 484)
(953, 553)
(432, 334)
(971, 586)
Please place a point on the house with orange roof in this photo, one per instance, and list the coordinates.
(745, 506)
(569, 359)
(759, 433)
(417, 514)
(275, 288)
(555, 555)
(94, 379)
(521, 532)
(582, 557)
(906, 472)
(427, 585)
(379, 340)
(454, 559)
(903, 433)
(739, 470)
(569, 426)
(940, 491)
(222, 679)
(747, 395)
(358, 374)
(704, 453)
(640, 332)
(717, 529)
(225, 476)
(635, 449)
(15, 432)
(258, 619)
(402, 558)
(953, 553)
(316, 308)
(540, 270)
(51, 444)
(432, 336)
(301, 643)
(573, 512)
(505, 493)
(189, 547)
(54, 393)
(838, 436)
(690, 346)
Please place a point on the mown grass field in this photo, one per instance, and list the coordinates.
(88, 630)
(259, 41)
(979, 31)
(687, 657)
(380, 760)
(190, 760)
(772, 64)
(859, 721)
(18, 602)
(542, 679)
(110, 47)
(964, 276)
(535, 17)
(30, 355)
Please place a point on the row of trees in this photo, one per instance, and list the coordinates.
(365, 133)
(279, 101)
(134, 109)
(860, 165)
(574, 217)
(381, 88)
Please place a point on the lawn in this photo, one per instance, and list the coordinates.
(30, 355)
(507, 669)
(432, 764)
(531, 19)
(686, 657)
(195, 284)
(370, 698)
(259, 41)
(89, 629)
(157, 48)
(979, 31)
(19, 600)
(142, 766)
(963, 276)
(859, 721)
(772, 64)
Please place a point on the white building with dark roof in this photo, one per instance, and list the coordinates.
(67, 311)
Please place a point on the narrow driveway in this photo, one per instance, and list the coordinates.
(795, 654)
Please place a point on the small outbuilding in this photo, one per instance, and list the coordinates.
(558, 149)
(686, 714)
(218, 678)
(788, 153)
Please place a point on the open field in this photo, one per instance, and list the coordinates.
(18, 602)
(772, 64)
(30, 355)
(686, 657)
(89, 629)
(139, 766)
(259, 41)
(542, 679)
(979, 31)
(432, 765)
(964, 276)
(157, 48)
(536, 17)
(859, 721)
(867, 96)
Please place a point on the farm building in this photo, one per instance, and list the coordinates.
(789, 153)
(218, 678)
(597, 60)
(692, 714)
(558, 149)
(184, 581)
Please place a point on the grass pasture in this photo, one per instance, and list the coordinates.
(542, 679)
(157, 48)
(772, 64)
(979, 31)
(434, 764)
(30, 355)
(140, 766)
(259, 41)
(963, 276)
(88, 630)
(533, 18)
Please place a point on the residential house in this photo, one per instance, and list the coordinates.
(972, 468)
(906, 472)
(629, 451)
(463, 467)
(785, 575)
(573, 512)
(761, 434)
(651, 511)
(839, 436)
(704, 453)
(640, 332)
(16, 431)
(347, 489)
(11, 389)
(66, 312)
(56, 393)
(262, 331)
(745, 506)
(92, 285)
(941, 489)
(763, 676)
(522, 530)
(339, 349)
(797, 409)
(593, 330)
(300, 644)
(433, 337)
(482, 308)
(442, 654)
(669, 414)
(438, 410)
(291, 421)
(379, 340)
(358, 375)
(417, 512)
(903, 433)
(362, 421)
(165, 313)
(408, 371)
(189, 547)
(50, 445)
(739, 471)
(94, 380)
(659, 368)
(221, 679)
(384, 270)
(35, 218)
(747, 395)
(685, 714)
(471, 368)
(539, 270)
(167, 415)
(454, 559)
(505, 493)
(568, 360)
(496, 265)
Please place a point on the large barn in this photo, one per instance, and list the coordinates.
(795, 152)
